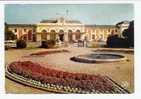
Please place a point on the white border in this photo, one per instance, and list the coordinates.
(2, 74)
(50, 96)
(65, 2)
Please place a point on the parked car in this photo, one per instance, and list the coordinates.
(10, 44)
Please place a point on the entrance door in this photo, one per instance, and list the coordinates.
(61, 35)
(70, 36)
(44, 35)
(30, 35)
(53, 35)
(77, 35)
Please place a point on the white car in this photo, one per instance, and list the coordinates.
(10, 43)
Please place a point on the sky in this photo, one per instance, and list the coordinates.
(100, 14)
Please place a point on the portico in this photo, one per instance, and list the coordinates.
(61, 29)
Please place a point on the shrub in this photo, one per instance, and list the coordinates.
(129, 34)
(21, 44)
(116, 42)
(9, 35)
(6, 47)
(48, 44)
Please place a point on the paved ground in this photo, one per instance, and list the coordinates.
(121, 72)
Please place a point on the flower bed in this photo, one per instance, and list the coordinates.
(51, 78)
(48, 52)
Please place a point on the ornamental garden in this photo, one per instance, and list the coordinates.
(81, 67)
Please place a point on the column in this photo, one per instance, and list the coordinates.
(66, 36)
(38, 37)
(48, 36)
(73, 37)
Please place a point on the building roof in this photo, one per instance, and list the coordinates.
(22, 25)
(100, 26)
(72, 21)
(48, 21)
(55, 21)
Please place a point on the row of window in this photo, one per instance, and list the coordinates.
(100, 30)
(45, 31)
(15, 30)
(109, 30)
(25, 30)
(101, 36)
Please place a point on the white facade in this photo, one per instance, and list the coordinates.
(61, 25)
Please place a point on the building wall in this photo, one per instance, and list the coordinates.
(59, 27)
(24, 32)
(99, 33)
(92, 33)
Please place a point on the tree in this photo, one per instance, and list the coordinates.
(9, 35)
(126, 42)
(113, 41)
(129, 34)
(21, 43)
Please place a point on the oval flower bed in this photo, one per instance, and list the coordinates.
(54, 78)
(49, 52)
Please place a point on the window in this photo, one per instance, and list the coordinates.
(101, 37)
(34, 30)
(115, 30)
(15, 30)
(93, 36)
(109, 30)
(24, 30)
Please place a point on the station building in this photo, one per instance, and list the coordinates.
(64, 30)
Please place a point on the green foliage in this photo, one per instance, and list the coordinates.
(21, 44)
(114, 41)
(48, 44)
(9, 35)
(129, 34)
(128, 41)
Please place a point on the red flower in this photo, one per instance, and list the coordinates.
(52, 76)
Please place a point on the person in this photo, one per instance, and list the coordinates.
(85, 41)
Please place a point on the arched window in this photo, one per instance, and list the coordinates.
(93, 37)
(101, 37)
(61, 35)
(53, 35)
(44, 31)
(24, 30)
(77, 35)
(44, 35)
(30, 35)
(70, 35)
(15, 30)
